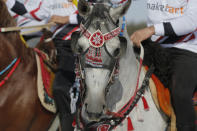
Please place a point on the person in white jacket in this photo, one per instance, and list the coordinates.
(173, 24)
(31, 36)
(65, 14)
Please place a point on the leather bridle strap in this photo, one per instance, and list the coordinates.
(140, 92)
(115, 121)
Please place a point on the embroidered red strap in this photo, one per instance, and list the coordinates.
(10, 73)
(97, 39)
(126, 106)
(121, 112)
(112, 34)
(85, 32)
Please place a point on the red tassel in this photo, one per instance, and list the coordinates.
(129, 124)
(74, 123)
(146, 107)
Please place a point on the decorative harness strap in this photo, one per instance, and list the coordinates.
(8, 67)
(112, 123)
(97, 39)
(117, 118)
(131, 104)
(16, 61)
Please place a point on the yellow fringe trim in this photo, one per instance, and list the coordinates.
(75, 2)
(24, 42)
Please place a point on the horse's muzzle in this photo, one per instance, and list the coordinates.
(94, 116)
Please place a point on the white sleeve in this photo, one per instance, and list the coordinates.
(185, 24)
(159, 29)
(10, 3)
(73, 19)
(39, 12)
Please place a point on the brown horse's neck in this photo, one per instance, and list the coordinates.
(13, 37)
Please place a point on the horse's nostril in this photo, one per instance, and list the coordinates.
(94, 115)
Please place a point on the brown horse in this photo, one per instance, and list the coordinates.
(20, 108)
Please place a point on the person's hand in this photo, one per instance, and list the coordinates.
(59, 19)
(141, 35)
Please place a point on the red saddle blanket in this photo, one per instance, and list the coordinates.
(47, 74)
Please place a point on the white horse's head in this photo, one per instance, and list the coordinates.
(99, 48)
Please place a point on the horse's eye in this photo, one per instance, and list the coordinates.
(116, 52)
(106, 90)
(79, 50)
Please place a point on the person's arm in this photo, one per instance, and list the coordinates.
(71, 19)
(39, 13)
(140, 35)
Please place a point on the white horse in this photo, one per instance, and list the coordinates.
(111, 73)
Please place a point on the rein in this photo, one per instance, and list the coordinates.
(97, 41)
(111, 123)
(134, 100)
(117, 118)
(14, 63)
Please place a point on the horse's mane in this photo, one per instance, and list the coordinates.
(6, 19)
(160, 58)
(13, 37)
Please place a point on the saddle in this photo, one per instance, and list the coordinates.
(44, 82)
(161, 96)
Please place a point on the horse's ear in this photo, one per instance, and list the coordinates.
(119, 11)
(83, 8)
(47, 33)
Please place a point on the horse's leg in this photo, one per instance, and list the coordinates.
(182, 88)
